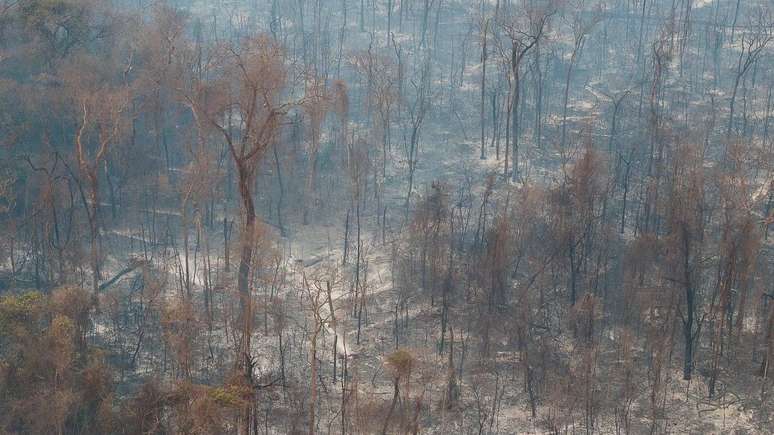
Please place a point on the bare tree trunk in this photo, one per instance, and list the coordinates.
(243, 282)
(483, 87)
(396, 392)
(515, 125)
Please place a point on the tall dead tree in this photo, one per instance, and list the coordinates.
(752, 46)
(103, 110)
(249, 89)
(685, 246)
(524, 27)
(484, 55)
(581, 27)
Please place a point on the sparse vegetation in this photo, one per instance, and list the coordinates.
(386, 216)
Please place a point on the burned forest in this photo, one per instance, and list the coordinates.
(258, 217)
